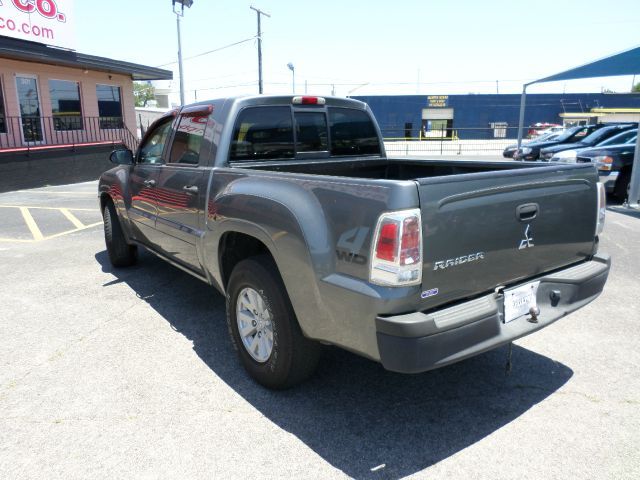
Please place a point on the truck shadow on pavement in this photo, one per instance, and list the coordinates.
(361, 419)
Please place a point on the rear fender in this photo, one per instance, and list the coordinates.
(295, 234)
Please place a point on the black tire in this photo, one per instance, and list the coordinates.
(293, 357)
(621, 189)
(121, 254)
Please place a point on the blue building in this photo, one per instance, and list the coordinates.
(486, 116)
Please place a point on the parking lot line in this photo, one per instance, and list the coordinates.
(52, 208)
(35, 230)
(72, 218)
(31, 223)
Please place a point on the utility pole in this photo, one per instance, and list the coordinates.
(497, 88)
(259, 12)
(180, 13)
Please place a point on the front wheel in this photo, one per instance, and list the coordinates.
(121, 254)
(263, 327)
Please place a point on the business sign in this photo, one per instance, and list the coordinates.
(43, 21)
(437, 101)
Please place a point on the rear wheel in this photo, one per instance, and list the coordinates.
(121, 254)
(263, 327)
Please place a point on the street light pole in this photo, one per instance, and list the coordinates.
(180, 13)
(293, 77)
(259, 12)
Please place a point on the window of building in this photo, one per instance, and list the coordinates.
(3, 120)
(188, 139)
(109, 106)
(65, 105)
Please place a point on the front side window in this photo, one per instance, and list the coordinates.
(352, 132)
(263, 133)
(188, 139)
(65, 105)
(109, 106)
(3, 120)
(153, 145)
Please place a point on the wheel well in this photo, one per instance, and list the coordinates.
(235, 247)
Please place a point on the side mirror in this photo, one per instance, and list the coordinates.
(122, 156)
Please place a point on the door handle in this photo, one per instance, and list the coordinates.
(190, 189)
(527, 212)
(149, 183)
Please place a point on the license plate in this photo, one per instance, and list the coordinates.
(518, 301)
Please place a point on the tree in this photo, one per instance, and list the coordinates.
(636, 88)
(143, 92)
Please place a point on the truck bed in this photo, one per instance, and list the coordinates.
(390, 168)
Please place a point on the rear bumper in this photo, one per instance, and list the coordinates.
(418, 342)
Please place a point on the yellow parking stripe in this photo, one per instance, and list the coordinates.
(58, 192)
(52, 208)
(73, 231)
(72, 218)
(31, 223)
(20, 240)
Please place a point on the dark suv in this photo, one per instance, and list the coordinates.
(531, 151)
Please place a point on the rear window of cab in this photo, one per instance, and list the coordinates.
(280, 132)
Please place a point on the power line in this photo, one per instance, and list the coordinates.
(210, 51)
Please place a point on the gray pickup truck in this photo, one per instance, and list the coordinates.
(291, 209)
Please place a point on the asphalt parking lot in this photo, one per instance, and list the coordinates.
(129, 373)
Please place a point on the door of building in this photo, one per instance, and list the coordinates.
(30, 112)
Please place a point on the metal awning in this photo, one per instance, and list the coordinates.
(623, 63)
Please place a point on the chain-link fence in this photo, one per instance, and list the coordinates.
(490, 141)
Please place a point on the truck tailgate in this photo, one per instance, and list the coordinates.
(491, 229)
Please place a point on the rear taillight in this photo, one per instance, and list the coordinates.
(396, 259)
(602, 208)
(308, 100)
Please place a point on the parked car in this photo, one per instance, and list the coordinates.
(614, 165)
(539, 129)
(570, 156)
(511, 149)
(291, 209)
(556, 129)
(592, 140)
(531, 151)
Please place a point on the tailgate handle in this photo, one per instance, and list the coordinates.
(527, 212)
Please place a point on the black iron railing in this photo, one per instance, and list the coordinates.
(32, 132)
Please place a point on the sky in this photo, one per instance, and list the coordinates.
(354, 47)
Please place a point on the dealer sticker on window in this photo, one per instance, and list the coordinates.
(519, 301)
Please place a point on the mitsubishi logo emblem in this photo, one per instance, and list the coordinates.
(527, 241)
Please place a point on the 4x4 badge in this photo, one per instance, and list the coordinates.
(527, 242)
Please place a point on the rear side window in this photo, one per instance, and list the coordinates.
(188, 139)
(352, 132)
(263, 133)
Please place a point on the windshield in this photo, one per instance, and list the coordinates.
(625, 137)
(599, 135)
(568, 134)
